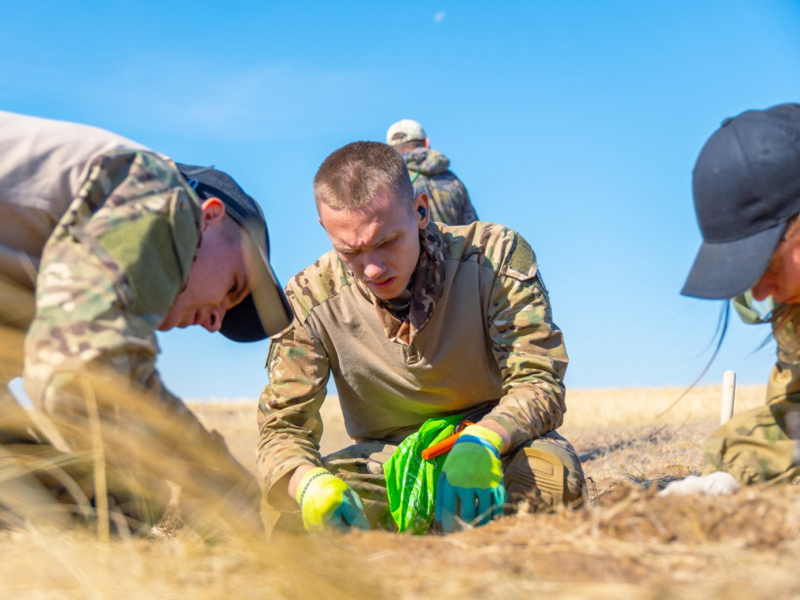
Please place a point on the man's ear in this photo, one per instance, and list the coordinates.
(428, 143)
(213, 212)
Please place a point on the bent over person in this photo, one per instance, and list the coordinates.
(418, 323)
(103, 242)
(746, 187)
(430, 173)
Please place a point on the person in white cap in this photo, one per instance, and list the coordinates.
(430, 174)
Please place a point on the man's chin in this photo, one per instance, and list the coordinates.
(386, 294)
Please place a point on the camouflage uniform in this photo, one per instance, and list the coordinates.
(763, 444)
(118, 251)
(477, 338)
(43, 166)
(449, 200)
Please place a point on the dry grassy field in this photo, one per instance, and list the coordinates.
(629, 543)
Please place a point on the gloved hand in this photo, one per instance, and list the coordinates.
(471, 482)
(718, 483)
(327, 501)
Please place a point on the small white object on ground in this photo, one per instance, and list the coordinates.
(718, 483)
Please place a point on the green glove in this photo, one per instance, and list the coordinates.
(327, 501)
(470, 485)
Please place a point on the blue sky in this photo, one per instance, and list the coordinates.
(575, 122)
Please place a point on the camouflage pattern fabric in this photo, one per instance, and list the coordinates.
(109, 274)
(763, 444)
(35, 470)
(16, 313)
(759, 446)
(485, 339)
(430, 174)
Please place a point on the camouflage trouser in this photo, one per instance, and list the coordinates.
(761, 445)
(545, 471)
(42, 483)
(16, 313)
(39, 481)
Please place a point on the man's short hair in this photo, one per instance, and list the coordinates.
(352, 175)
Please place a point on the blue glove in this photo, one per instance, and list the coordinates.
(470, 485)
(327, 501)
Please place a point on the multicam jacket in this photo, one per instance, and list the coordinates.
(478, 330)
(449, 200)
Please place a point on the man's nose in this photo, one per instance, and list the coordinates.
(764, 287)
(213, 322)
(373, 268)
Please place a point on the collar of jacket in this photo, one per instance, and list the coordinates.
(427, 283)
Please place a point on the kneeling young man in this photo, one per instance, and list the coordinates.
(415, 320)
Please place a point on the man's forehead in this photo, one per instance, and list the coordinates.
(353, 228)
(360, 233)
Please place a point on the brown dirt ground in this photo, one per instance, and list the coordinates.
(628, 542)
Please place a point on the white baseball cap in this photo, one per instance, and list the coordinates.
(405, 130)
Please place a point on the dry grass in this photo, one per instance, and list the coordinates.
(646, 433)
(628, 543)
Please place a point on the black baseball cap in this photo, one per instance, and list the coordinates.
(265, 311)
(746, 187)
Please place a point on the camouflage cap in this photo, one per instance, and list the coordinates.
(405, 130)
(265, 311)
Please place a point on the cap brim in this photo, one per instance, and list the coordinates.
(266, 310)
(725, 270)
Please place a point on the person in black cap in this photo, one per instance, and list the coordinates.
(746, 186)
(103, 242)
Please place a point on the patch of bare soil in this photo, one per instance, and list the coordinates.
(629, 542)
(747, 544)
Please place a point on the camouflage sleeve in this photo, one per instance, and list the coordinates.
(784, 379)
(109, 274)
(289, 421)
(449, 200)
(529, 349)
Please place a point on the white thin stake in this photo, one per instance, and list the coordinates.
(728, 396)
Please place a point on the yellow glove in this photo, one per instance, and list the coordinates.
(327, 501)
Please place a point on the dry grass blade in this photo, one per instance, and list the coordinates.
(100, 487)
